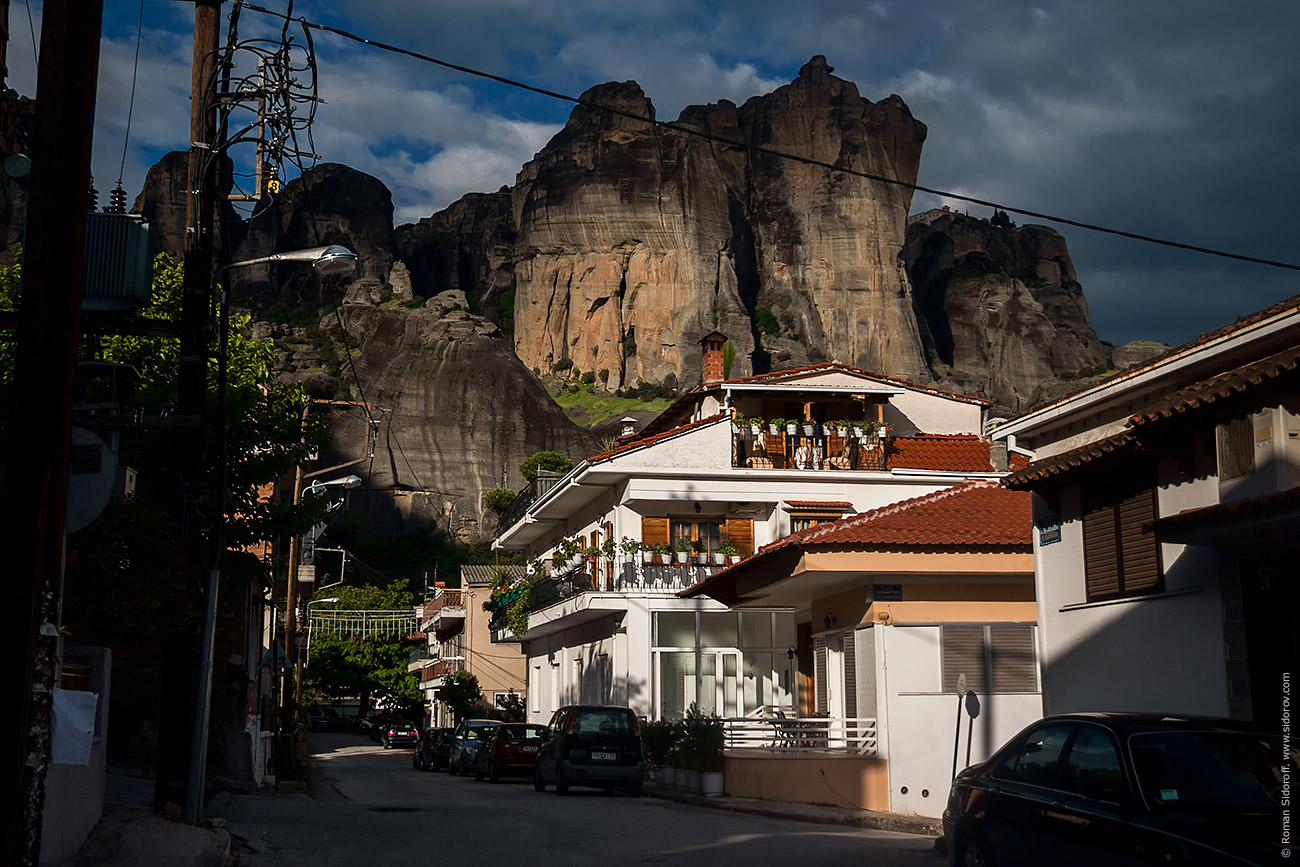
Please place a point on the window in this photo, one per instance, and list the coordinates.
(1092, 768)
(995, 659)
(1235, 445)
(665, 531)
(805, 520)
(708, 533)
(1035, 761)
(1120, 553)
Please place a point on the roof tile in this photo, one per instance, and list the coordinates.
(960, 453)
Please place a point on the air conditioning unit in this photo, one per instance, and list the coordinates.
(118, 275)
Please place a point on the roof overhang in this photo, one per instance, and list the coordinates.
(1255, 521)
(583, 608)
(795, 385)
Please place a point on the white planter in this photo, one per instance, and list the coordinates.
(719, 559)
(666, 777)
(692, 781)
(792, 429)
(711, 784)
(683, 557)
(702, 559)
(647, 556)
(735, 558)
(773, 429)
(755, 429)
(808, 430)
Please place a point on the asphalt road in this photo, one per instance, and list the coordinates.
(369, 808)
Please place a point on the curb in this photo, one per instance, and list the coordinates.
(873, 821)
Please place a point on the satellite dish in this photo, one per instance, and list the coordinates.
(91, 473)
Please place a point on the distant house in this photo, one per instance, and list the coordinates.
(460, 638)
(905, 600)
(1167, 515)
(716, 472)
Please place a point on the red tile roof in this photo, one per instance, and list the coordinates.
(819, 504)
(1251, 508)
(1288, 305)
(1209, 391)
(958, 453)
(977, 514)
(659, 437)
(1017, 461)
(1067, 462)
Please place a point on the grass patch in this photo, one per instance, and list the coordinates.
(588, 408)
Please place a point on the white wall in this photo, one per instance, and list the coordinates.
(1160, 653)
(918, 720)
(918, 412)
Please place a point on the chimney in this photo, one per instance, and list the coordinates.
(713, 364)
(628, 426)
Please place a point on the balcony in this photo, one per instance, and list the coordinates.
(529, 495)
(813, 448)
(627, 576)
(445, 611)
(433, 676)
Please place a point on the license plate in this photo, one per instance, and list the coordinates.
(528, 749)
(604, 757)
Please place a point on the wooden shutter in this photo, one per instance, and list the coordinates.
(963, 653)
(1101, 553)
(819, 674)
(741, 533)
(654, 531)
(1012, 652)
(1235, 441)
(1139, 551)
(609, 561)
(850, 677)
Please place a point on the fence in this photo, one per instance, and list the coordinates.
(800, 735)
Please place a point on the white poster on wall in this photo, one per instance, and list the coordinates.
(74, 726)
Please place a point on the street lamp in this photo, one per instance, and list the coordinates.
(307, 614)
(328, 260)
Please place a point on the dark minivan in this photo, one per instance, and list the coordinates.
(591, 745)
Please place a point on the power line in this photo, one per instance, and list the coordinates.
(510, 82)
(130, 110)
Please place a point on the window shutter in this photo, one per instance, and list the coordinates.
(654, 531)
(1012, 649)
(850, 677)
(1138, 547)
(819, 674)
(963, 653)
(741, 533)
(1101, 553)
(864, 655)
(609, 561)
(1236, 448)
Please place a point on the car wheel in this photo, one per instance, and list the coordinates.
(973, 851)
(539, 785)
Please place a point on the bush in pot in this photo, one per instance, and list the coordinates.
(658, 743)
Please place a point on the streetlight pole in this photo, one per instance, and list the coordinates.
(332, 259)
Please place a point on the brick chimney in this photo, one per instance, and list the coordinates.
(712, 364)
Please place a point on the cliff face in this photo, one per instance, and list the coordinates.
(469, 247)
(1002, 309)
(635, 241)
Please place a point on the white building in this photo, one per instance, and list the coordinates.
(608, 627)
(1167, 514)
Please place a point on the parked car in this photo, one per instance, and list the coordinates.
(511, 749)
(465, 742)
(315, 719)
(1122, 789)
(432, 750)
(399, 734)
(590, 745)
(379, 724)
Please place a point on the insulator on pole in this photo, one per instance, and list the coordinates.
(94, 195)
(117, 200)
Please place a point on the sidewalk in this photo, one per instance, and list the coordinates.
(825, 815)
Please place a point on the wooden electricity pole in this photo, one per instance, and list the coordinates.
(40, 415)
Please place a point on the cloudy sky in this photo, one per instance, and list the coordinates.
(1174, 119)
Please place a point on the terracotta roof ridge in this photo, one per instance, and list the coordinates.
(836, 365)
(933, 436)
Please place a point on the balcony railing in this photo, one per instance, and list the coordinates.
(823, 449)
(809, 734)
(627, 576)
(439, 670)
(443, 611)
(529, 495)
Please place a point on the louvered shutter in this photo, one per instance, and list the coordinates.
(819, 674)
(1101, 553)
(741, 533)
(864, 655)
(609, 561)
(1012, 652)
(1140, 566)
(963, 653)
(850, 677)
(654, 531)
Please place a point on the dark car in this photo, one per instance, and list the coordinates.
(511, 749)
(432, 750)
(591, 745)
(465, 742)
(379, 725)
(399, 734)
(1119, 790)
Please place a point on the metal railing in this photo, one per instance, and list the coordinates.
(801, 735)
(627, 576)
(823, 449)
(525, 498)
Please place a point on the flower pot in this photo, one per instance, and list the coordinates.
(702, 559)
(647, 556)
(719, 559)
(682, 557)
(735, 558)
(692, 782)
(857, 431)
(773, 429)
(756, 429)
(792, 429)
(808, 430)
(711, 784)
(666, 777)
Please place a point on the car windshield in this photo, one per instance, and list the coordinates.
(519, 731)
(605, 722)
(1219, 770)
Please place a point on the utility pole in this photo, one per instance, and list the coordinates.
(39, 432)
(179, 662)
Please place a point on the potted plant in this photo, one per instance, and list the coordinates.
(775, 425)
(703, 742)
(840, 427)
(737, 421)
(756, 426)
(792, 426)
(701, 555)
(665, 553)
(566, 554)
(727, 550)
(683, 550)
(809, 427)
(658, 741)
(608, 548)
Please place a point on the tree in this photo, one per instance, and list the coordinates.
(498, 500)
(552, 461)
(461, 692)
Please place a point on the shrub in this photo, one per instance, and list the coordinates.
(765, 322)
(553, 461)
(562, 365)
(658, 737)
(498, 500)
(589, 378)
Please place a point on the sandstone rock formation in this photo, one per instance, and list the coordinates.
(1002, 310)
(634, 241)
